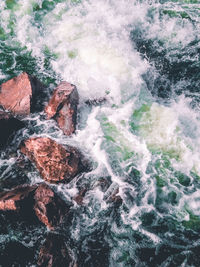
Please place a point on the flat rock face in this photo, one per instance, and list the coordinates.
(49, 208)
(63, 107)
(54, 162)
(15, 95)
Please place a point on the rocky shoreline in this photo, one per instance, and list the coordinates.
(55, 163)
(39, 203)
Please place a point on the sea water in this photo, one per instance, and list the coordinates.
(142, 58)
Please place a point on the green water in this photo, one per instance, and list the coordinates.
(143, 141)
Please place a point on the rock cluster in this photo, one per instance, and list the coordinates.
(54, 162)
(39, 199)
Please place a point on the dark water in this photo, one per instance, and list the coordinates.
(143, 142)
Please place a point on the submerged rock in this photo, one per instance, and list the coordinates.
(17, 94)
(63, 107)
(54, 162)
(54, 252)
(35, 201)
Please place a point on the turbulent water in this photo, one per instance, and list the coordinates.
(142, 58)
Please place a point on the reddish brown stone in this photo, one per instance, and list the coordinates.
(63, 107)
(15, 95)
(54, 162)
(13, 199)
(38, 200)
(49, 208)
(19, 94)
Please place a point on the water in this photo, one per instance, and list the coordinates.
(143, 140)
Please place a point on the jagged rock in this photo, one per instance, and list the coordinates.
(17, 198)
(54, 162)
(54, 252)
(35, 201)
(49, 208)
(18, 98)
(63, 107)
(17, 94)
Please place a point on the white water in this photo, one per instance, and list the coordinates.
(93, 50)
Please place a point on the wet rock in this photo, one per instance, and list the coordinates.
(17, 94)
(11, 177)
(96, 102)
(49, 207)
(112, 195)
(54, 252)
(79, 198)
(38, 202)
(17, 199)
(54, 162)
(115, 198)
(63, 107)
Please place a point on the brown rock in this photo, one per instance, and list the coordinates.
(13, 200)
(49, 208)
(54, 252)
(54, 162)
(37, 200)
(115, 198)
(63, 107)
(79, 198)
(17, 94)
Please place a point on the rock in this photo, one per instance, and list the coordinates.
(63, 107)
(115, 198)
(17, 94)
(96, 101)
(79, 198)
(17, 198)
(35, 201)
(49, 208)
(12, 176)
(54, 252)
(54, 162)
